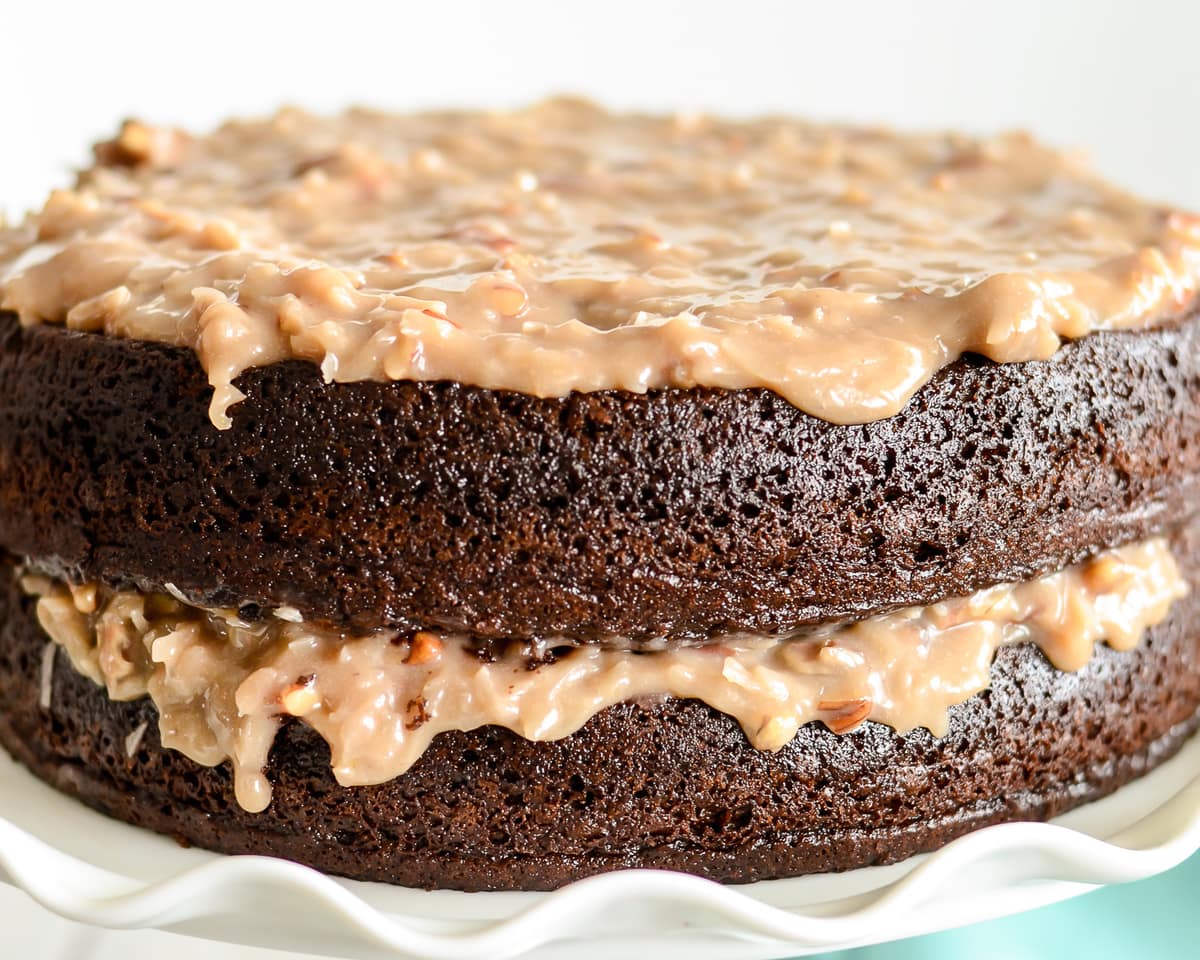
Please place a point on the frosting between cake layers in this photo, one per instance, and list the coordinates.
(222, 686)
(563, 248)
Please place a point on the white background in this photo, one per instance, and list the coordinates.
(1120, 79)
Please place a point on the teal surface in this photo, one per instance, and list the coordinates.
(1154, 918)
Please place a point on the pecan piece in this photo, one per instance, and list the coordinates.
(416, 713)
(845, 715)
(423, 647)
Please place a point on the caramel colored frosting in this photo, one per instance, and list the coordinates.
(222, 686)
(562, 248)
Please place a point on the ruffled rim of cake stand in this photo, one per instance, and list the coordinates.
(94, 870)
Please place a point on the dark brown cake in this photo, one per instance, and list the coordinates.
(489, 500)
(665, 784)
(678, 513)
(488, 810)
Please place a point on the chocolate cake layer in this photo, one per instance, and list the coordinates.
(680, 513)
(662, 783)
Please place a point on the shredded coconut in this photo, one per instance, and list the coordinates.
(46, 688)
(134, 740)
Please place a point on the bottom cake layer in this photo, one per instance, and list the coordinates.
(662, 783)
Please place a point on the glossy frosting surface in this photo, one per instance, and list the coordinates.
(562, 247)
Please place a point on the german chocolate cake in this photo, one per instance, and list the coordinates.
(486, 500)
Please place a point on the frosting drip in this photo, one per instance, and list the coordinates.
(562, 248)
(223, 686)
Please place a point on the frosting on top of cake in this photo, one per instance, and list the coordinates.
(562, 247)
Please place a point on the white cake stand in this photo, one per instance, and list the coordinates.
(88, 868)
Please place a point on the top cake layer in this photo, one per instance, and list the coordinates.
(563, 248)
(674, 516)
